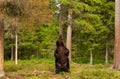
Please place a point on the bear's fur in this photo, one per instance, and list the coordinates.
(61, 57)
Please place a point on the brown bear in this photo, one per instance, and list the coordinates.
(61, 57)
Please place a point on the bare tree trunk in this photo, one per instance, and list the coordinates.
(91, 58)
(60, 21)
(16, 49)
(13, 51)
(107, 53)
(1, 48)
(69, 34)
(116, 64)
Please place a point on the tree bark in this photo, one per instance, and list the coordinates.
(12, 53)
(13, 50)
(69, 34)
(116, 63)
(91, 58)
(16, 48)
(60, 21)
(1, 48)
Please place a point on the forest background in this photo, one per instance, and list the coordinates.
(32, 28)
(37, 26)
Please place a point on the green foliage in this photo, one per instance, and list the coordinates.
(93, 27)
(65, 1)
(85, 25)
(40, 43)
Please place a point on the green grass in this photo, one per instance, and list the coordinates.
(44, 69)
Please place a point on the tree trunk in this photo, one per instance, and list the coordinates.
(69, 34)
(13, 50)
(1, 48)
(60, 21)
(107, 53)
(116, 63)
(91, 58)
(16, 48)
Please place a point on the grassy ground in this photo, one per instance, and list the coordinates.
(44, 69)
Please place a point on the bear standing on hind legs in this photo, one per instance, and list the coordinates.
(61, 57)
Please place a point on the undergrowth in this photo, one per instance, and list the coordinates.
(44, 69)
